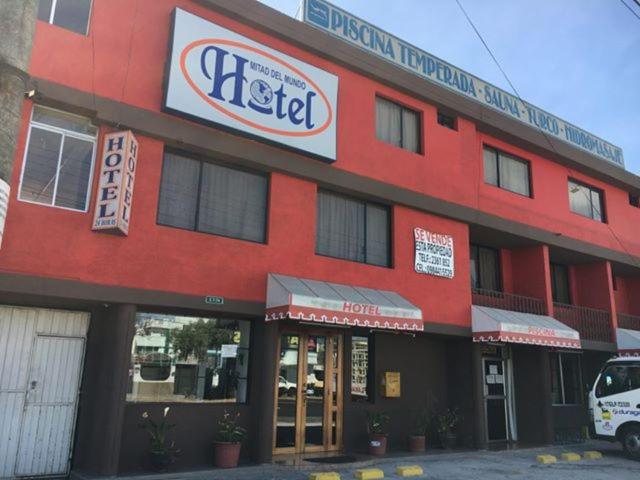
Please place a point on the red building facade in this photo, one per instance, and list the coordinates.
(114, 79)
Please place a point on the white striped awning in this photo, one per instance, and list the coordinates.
(334, 303)
(628, 342)
(496, 325)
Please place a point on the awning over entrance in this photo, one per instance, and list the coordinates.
(495, 325)
(324, 302)
(628, 342)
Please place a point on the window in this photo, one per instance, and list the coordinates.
(618, 378)
(58, 161)
(506, 171)
(566, 379)
(362, 377)
(485, 268)
(586, 201)
(560, 283)
(189, 359)
(211, 198)
(398, 125)
(70, 14)
(353, 229)
(634, 200)
(448, 121)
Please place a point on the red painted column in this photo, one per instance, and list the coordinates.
(531, 275)
(593, 287)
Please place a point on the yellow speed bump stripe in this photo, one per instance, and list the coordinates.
(324, 476)
(369, 474)
(570, 457)
(409, 470)
(592, 455)
(546, 459)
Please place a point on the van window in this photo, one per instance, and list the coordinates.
(618, 378)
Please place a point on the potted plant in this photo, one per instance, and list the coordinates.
(226, 449)
(376, 428)
(417, 441)
(446, 425)
(162, 451)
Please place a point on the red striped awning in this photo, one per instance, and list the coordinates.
(333, 303)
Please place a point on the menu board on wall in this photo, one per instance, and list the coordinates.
(434, 253)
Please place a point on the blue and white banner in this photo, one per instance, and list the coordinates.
(220, 77)
(347, 27)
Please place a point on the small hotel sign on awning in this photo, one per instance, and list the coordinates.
(115, 188)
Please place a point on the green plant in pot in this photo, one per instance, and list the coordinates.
(163, 452)
(417, 440)
(377, 430)
(226, 448)
(446, 425)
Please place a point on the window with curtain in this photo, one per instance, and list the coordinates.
(398, 125)
(353, 229)
(485, 268)
(586, 201)
(506, 171)
(58, 160)
(70, 14)
(560, 283)
(212, 198)
(566, 378)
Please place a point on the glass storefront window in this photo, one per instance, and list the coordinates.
(178, 358)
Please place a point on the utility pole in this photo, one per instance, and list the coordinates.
(17, 25)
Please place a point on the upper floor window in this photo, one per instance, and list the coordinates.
(58, 160)
(566, 379)
(446, 120)
(634, 200)
(506, 171)
(586, 201)
(398, 125)
(211, 198)
(70, 14)
(353, 229)
(485, 268)
(560, 283)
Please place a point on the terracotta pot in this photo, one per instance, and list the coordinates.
(417, 443)
(377, 444)
(226, 455)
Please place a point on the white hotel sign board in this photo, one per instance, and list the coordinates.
(219, 77)
(354, 30)
(114, 198)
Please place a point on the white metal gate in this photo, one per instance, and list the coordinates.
(41, 358)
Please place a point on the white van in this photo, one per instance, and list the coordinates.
(614, 403)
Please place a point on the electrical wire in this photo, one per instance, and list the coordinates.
(600, 214)
(637, 2)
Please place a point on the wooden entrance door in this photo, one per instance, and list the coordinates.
(308, 403)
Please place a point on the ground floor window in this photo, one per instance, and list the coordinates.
(178, 358)
(361, 368)
(566, 379)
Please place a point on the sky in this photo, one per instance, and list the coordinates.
(577, 59)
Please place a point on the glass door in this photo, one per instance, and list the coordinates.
(308, 413)
(496, 400)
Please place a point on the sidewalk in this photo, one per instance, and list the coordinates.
(475, 465)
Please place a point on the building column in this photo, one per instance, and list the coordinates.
(104, 390)
(480, 421)
(532, 274)
(264, 397)
(548, 424)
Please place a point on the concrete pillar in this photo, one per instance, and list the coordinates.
(17, 24)
(592, 287)
(104, 390)
(264, 397)
(477, 375)
(532, 274)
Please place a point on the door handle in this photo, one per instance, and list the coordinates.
(33, 384)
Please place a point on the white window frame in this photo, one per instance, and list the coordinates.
(52, 14)
(561, 374)
(65, 133)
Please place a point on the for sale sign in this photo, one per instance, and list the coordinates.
(434, 253)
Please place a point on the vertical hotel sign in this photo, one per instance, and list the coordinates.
(115, 187)
(353, 30)
(220, 78)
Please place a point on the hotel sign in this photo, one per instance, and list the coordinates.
(115, 186)
(434, 253)
(219, 77)
(351, 29)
